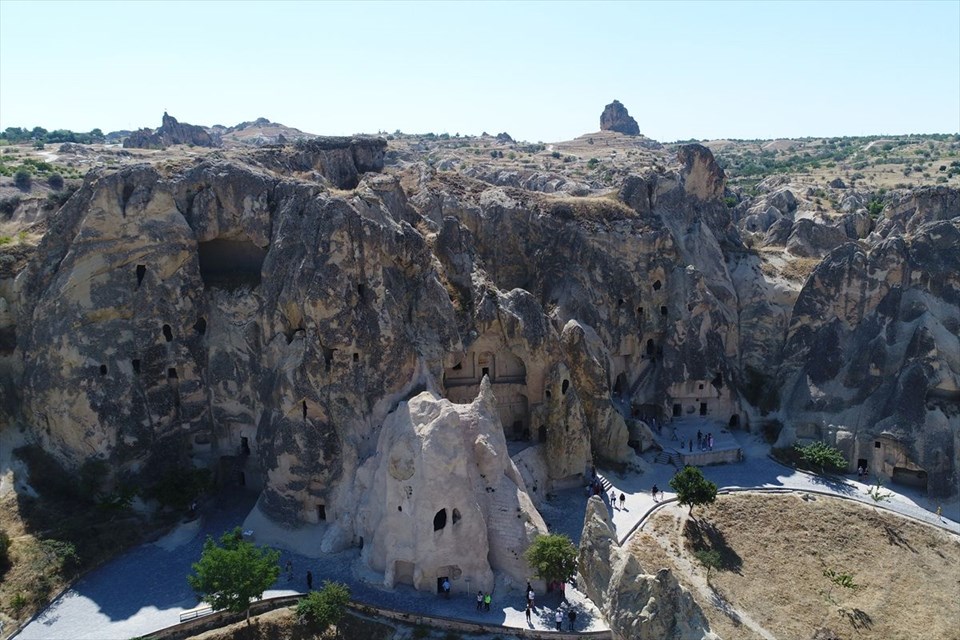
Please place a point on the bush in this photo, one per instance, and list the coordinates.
(553, 557)
(9, 204)
(324, 608)
(178, 487)
(55, 180)
(822, 456)
(692, 488)
(4, 550)
(23, 180)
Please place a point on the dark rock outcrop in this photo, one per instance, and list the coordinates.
(616, 118)
(171, 132)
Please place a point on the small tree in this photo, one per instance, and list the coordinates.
(231, 574)
(877, 494)
(325, 607)
(710, 558)
(837, 579)
(822, 455)
(553, 557)
(23, 180)
(692, 488)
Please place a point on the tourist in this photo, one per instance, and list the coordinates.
(309, 581)
(691, 445)
(559, 619)
(530, 594)
(860, 471)
(613, 499)
(710, 438)
(528, 614)
(699, 440)
(486, 602)
(939, 513)
(479, 600)
(623, 498)
(446, 587)
(654, 492)
(289, 569)
(572, 616)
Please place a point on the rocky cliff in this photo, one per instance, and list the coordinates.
(615, 117)
(638, 605)
(276, 315)
(171, 132)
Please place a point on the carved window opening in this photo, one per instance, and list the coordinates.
(141, 271)
(321, 512)
(201, 325)
(136, 366)
(657, 285)
(304, 405)
(458, 366)
(548, 394)
(230, 264)
(650, 347)
(703, 408)
(167, 333)
(328, 357)
(440, 520)
(701, 386)
(663, 311)
(244, 446)
(399, 507)
(640, 311)
(172, 373)
(564, 387)
(620, 302)
(876, 444)
(485, 372)
(356, 357)
(456, 516)
(103, 369)
(362, 291)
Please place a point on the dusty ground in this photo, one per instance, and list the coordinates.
(775, 549)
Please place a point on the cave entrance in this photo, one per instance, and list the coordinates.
(403, 572)
(230, 264)
(620, 386)
(703, 408)
(677, 411)
(916, 478)
(321, 512)
(734, 421)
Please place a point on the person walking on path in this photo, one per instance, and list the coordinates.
(530, 595)
(613, 499)
(486, 602)
(559, 619)
(623, 498)
(479, 600)
(309, 581)
(939, 513)
(699, 440)
(446, 588)
(529, 621)
(572, 616)
(654, 491)
(289, 569)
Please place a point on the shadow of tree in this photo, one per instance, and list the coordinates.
(895, 538)
(705, 536)
(833, 483)
(859, 619)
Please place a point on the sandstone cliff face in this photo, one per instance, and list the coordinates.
(637, 605)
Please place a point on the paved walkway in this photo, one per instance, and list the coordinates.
(145, 589)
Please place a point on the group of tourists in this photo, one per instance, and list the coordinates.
(704, 442)
(483, 601)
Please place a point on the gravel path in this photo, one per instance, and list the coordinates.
(145, 589)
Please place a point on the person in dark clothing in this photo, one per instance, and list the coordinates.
(309, 581)
(572, 616)
(655, 490)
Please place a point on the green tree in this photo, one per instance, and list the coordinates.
(231, 574)
(823, 456)
(552, 557)
(325, 607)
(23, 180)
(710, 558)
(692, 488)
(877, 494)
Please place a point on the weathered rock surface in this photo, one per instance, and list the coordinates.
(616, 118)
(636, 604)
(171, 132)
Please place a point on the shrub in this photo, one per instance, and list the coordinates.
(4, 550)
(178, 487)
(324, 608)
(55, 180)
(822, 456)
(23, 180)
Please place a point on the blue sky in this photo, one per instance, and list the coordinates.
(540, 71)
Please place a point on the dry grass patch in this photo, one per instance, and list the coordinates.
(776, 549)
(799, 269)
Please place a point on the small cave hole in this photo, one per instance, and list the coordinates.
(172, 373)
(458, 366)
(564, 387)
(639, 311)
(304, 409)
(548, 394)
(136, 366)
(361, 290)
(485, 372)
(657, 285)
(663, 311)
(200, 326)
(456, 516)
(103, 369)
(440, 520)
(356, 357)
(620, 302)
(141, 271)
(167, 333)
(321, 512)
(328, 357)
(399, 507)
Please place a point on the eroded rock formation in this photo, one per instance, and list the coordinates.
(637, 605)
(616, 118)
(170, 132)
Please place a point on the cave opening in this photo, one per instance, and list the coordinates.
(230, 264)
(141, 271)
(440, 520)
(136, 366)
(200, 326)
(657, 285)
(167, 333)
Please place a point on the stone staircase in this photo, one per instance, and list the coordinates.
(666, 457)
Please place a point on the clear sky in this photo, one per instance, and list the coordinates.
(538, 70)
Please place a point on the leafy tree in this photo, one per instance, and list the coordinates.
(325, 607)
(823, 456)
(692, 488)
(710, 558)
(553, 557)
(55, 180)
(231, 574)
